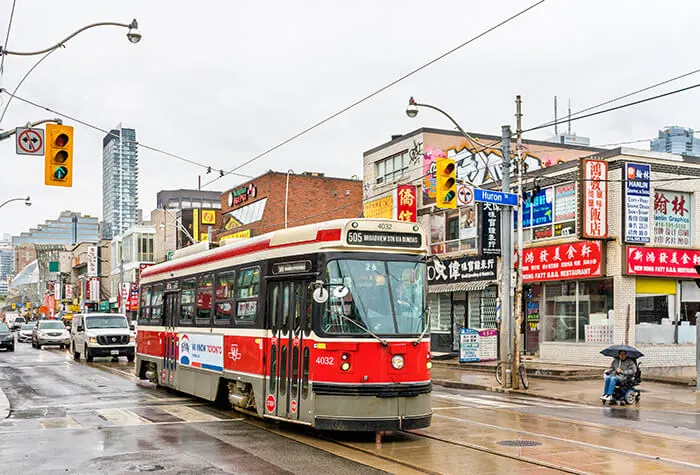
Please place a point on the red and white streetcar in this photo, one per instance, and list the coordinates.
(324, 324)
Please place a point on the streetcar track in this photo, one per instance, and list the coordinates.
(571, 441)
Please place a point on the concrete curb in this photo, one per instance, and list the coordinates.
(4, 405)
(495, 389)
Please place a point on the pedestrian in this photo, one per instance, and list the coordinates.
(621, 368)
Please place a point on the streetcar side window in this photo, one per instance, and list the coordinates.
(157, 304)
(309, 310)
(247, 294)
(205, 292)
(274, 303)
(273, 368)
(187, 300)
(225, 297)
(145, 305)
(285, 308)
(305, 374)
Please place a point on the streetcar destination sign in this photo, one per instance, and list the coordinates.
(381, 238)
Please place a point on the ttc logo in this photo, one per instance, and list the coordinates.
(234, 354)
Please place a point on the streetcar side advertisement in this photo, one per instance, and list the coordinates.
(202, 351)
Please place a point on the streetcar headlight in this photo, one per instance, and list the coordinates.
(429, 364)
(397, 361)
(345, 366)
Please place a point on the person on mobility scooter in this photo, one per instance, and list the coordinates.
(622, 376)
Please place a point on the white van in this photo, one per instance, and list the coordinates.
(101, 334)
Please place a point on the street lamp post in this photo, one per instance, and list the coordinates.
(506, 287)
(27, 201)
(133, 35)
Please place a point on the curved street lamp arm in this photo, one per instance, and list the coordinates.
(32, 53)
(14, 199)
(428, 106)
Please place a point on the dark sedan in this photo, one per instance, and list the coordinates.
(7, 338)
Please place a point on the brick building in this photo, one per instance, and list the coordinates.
(277, 200)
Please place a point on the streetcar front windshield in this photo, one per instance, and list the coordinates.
(384, 297)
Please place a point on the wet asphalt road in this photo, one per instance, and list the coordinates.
(73, 417)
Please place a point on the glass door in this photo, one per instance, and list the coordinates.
(171, 341)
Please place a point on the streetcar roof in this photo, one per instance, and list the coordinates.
(306, 239)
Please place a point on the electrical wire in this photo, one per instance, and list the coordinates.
(7, 37)
(110, 133)
(622, 106)
(378, 91)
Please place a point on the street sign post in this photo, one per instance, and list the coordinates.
(29, 141)
(495, 197)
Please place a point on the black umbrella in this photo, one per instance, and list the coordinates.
(614, 351)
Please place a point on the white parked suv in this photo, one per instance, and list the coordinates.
(101, 334)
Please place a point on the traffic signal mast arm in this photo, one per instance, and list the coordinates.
(10, 133)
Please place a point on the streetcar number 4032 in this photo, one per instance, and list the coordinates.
(325, 360)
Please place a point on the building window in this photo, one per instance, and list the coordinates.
(655, 310)
(392, 168)
(225, 297)
(247, 293)
(440, 312)
(578, 311)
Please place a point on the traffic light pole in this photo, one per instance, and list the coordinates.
(506, 336)
(518, 304)
(10, 133)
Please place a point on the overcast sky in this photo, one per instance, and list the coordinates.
(221, 81)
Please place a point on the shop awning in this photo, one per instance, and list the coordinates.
(460, 286)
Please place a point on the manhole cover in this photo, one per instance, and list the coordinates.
(147, 468)
(519, 443)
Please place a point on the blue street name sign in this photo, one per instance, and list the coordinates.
(496, 197)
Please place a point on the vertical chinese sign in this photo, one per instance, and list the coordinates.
(92, 261)
(490, 223)
(671, 218)
(636, 203)
(594, 202)
(406, 203)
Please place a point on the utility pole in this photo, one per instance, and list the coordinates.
(506, 262)
(519, 272)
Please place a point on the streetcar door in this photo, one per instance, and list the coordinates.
(287, 371)
(170, 304)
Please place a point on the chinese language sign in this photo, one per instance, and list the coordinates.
(381, 208)
(92, 261)
(662, 262)
(490, 228)
(671, 218)
(462, 269)
(578, 260)
(565, 202)
(595, 199)
(636, 200)
(406, 203)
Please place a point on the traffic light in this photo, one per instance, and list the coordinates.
(445, 183)
(58, 163)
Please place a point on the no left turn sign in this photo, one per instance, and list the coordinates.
(30, 141)
(465, 195)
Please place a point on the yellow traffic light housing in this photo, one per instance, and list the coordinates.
(58, 162)
(445, 183)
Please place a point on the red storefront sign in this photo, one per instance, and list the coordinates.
(133, 297)
(406, 203)
(662, 262)
(577, 260)
(595, 199)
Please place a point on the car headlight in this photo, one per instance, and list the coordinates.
(132, 339)
(92, 339)
(397, 361)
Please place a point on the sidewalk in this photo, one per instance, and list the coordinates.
(659, 396)
(4, 405)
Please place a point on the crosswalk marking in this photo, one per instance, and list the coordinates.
(496, 401)
(58, 423)
(189, 414)
(122, 417)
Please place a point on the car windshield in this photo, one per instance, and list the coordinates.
(384, 297)
(19, 320)
(51, 325)
(28, 327)
(106, 321)
(3, 328)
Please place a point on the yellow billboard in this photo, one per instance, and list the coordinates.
(380, 208)
(237, 235)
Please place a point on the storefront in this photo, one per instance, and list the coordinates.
(462, 294)
(566, 297)
(666, 296)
